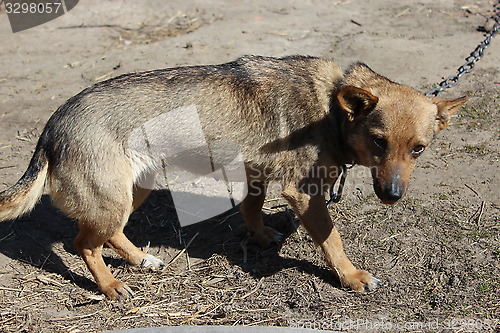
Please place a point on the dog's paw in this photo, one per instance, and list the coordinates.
(267, 237)
(361, 281)
(117, 290)
(151, 262)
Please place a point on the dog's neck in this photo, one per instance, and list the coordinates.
(338, 146)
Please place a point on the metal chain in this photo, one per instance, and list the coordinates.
(471, 60)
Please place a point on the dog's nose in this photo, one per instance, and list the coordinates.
(393, 192)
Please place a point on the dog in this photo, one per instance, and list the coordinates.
(290, 117)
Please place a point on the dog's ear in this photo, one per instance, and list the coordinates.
(356, 102)
(446, 107)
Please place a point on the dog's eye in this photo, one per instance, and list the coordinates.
(417, 150)
(380, 142)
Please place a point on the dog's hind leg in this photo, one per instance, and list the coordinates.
(125, 248)
(102, 203)
(89, 243)
(251, 209)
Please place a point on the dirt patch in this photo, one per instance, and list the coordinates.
(147, 33)
(437, 252)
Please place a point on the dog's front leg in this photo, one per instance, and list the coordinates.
(313, 214)
(251, 209)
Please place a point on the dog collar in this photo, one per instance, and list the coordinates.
(336, 196)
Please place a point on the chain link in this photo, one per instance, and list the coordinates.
(471, 60)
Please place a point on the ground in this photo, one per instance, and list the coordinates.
(437, 252)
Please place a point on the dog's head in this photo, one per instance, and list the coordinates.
(388, 126)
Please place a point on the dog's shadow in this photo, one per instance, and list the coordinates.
(31, 239)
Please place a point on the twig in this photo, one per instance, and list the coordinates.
(481, 210)
(163, 280)
(390, 237)
(357, 23)
(473, 190)
(174, 259)
(103, 76)
(263, 321)
(254, 290)
(82, 26)
(343, 216)
(279, 206)
(188, 261)
(9, 289)
(7, 236)
(403, 12)
(7, 320)
(48, 280)
(225, 219)
(192, 239)
(45, 261)
(201, 312)
(273, 199)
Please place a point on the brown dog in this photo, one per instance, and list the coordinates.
(296, 119)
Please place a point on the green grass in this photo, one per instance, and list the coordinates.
(480, 149)
(486, 287)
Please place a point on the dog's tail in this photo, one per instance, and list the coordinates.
(22, 197)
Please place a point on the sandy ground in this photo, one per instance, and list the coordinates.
(438, 251)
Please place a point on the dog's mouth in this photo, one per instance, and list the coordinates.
(388, 202)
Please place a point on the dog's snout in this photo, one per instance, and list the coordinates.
(393, 192)
(392, 188)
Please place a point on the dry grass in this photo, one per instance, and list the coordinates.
(440, 265)
(146, 33)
